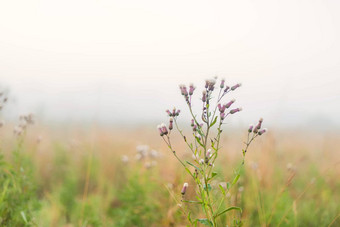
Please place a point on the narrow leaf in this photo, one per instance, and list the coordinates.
(222, 189)
(214, 122)
(236, 179)
(228, 209)
(193, 165)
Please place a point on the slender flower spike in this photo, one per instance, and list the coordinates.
(262, 131)
(250, 128)
(184, 189)
(236, 86)
(235, 110)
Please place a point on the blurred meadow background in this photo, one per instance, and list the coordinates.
(98, 76)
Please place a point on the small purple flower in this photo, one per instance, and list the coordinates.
(192, 122)
(168, 112)
(184, 189)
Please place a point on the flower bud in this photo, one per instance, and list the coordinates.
(160, 130)
(168, 112)
(222, 83)
(236, 86)
(262, 131)
(204, 96)
(164, 129)
(184, 189)
(222, 115)
(206, 84)
(226, 89)
(208, 153)
(191, 89)
(250, 128)
(258, 126)
(192, 122)
(235, 110)
(171, 123)
(230, 103)
(177, 113)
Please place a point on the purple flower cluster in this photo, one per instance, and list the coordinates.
(187, 94)
(257, 128)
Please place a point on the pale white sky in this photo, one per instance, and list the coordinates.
(122, 61)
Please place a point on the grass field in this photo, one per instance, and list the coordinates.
(106, 177)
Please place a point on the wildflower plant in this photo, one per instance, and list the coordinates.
(205, 148)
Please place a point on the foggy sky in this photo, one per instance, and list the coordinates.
(122, 61)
